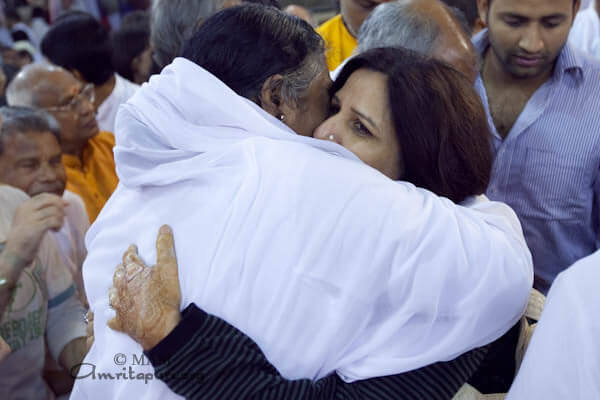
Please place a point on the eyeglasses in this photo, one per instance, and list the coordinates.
(87, 94)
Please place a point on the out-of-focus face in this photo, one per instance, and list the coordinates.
(31, 161)
(361, 121)
(72, 104)
(313, 109)
(526, 36)
(141, 66)
(354, 12)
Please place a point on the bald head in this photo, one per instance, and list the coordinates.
(428, 27)
(39, 85)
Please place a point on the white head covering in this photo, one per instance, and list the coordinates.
(323, 261)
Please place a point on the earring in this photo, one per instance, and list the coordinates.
(331, 137)
(282, 117)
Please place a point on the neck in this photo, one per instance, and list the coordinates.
(348, 28)
(103, 91)
(494, 72)
(73, 149)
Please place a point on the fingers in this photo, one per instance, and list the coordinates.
(119, 276)
(115, 324)
(131, 255)
(165, 252)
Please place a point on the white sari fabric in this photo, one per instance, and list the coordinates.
(563, 357)
(323, 261)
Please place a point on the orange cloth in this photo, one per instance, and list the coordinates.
(94, 178)
(340, 43)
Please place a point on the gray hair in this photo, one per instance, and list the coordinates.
(16, 120)
(396, 24)
(172, 23)
(295, 85)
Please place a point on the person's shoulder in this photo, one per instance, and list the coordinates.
(126, 87)
(104, 138)
(11, 196)
(76, 209)
(329, 26)
(587, 268)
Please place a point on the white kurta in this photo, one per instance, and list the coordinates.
(563, 358)
(71, 239)
(107, 112)
(323, 261)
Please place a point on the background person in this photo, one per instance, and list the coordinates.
(87, 152)
(541, 96)
(38, 301)
(78, 43)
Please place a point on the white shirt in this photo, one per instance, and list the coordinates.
(71, 239)
(563, 358)
(585, 33)
(107, 112)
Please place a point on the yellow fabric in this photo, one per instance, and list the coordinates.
(93, 177)
(340, 43)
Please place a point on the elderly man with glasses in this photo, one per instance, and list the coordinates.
(87, 152)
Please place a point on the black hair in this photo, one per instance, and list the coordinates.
(129, 41)
(244, 45)
(17, 120)
(77, 41)
(440, 123)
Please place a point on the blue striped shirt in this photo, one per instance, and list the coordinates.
(547, 167)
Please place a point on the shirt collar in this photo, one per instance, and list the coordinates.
(569, 60)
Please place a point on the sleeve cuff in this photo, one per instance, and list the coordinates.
(192, 319)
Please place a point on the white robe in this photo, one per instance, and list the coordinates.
(323, 261)
(563, 357)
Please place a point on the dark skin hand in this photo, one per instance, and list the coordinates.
(147, 299)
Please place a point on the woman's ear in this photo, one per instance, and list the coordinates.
(270, 97)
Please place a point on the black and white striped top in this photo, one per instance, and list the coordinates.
(206, 358)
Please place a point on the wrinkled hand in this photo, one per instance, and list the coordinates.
(147, 300)
(4, 349)
(32, 220)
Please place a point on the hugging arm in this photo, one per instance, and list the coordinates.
(200, 356)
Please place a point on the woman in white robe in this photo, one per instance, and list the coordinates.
(319, 258)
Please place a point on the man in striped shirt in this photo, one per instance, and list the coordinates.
(542, 103)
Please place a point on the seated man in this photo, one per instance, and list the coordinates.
(30, 160)
(38, 302)
(81, 45)
(87, 153)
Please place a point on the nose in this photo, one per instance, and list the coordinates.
(531, 41)
(47, 173)
(328, 131)
(86, 107)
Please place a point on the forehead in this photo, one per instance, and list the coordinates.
(56, 85)
(367, 92)
(532, 8)
(26, 143)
